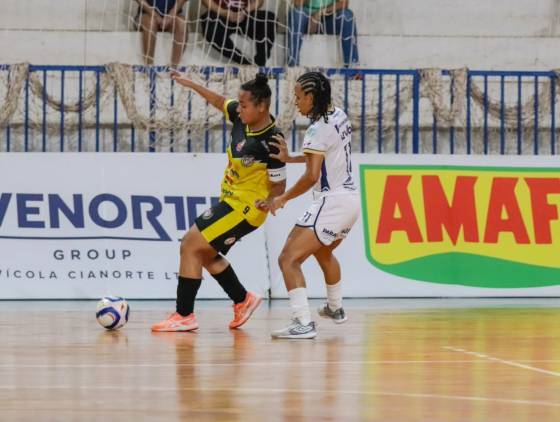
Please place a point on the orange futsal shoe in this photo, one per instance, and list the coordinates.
(177, 322)
(242, 311)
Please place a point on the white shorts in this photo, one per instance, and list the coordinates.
(331, 217)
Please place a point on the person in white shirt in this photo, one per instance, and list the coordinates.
(333, 212)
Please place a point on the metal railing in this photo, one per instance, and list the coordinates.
(386, 122)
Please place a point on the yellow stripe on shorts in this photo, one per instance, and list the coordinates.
(223, 225)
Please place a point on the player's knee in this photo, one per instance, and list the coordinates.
(287, 259)
(186, 247)
(283, 259)
(190, 253)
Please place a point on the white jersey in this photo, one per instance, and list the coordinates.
(334, 141)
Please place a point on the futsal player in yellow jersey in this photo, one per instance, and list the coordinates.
(251, 180)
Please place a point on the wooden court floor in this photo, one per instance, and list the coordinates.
(395, 360)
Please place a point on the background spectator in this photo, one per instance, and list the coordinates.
(162, 15)
(227, 17)
(332, 17)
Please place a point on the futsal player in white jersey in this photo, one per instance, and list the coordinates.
(333, 211)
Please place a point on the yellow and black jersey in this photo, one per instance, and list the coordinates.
(250, 168)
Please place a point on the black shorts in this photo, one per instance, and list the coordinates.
(222, 226)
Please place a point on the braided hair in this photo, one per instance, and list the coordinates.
(319, 86)
(259, 89)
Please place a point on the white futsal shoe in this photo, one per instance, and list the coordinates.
(296, 330)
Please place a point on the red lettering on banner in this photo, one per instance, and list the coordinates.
(502, 197)
(396, 197)
(543, 212)
(440, 214)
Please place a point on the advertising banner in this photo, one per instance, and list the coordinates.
(439, 226)
(86, 225)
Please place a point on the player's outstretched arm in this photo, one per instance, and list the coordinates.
(212, 97)
(283, 154)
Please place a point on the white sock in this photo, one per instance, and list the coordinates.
(334, 296)
(299, 304)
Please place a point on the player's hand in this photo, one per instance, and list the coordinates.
(262, 205)
(282, 145)
(277, 203)
(181, 79)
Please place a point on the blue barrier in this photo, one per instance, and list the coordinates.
(517, 79)
(378, 130)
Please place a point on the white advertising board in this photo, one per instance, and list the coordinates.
(86, 225)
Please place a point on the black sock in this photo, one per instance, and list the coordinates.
(231, 285)
(186, 294)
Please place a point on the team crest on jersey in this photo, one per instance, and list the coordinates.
(247, 160)
(240, 146)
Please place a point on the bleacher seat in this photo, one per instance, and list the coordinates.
(505, 34)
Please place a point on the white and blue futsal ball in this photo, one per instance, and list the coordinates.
(112, 312)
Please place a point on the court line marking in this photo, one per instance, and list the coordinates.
(279, 391)
(483, 359)
(502, 361)
(225, 364)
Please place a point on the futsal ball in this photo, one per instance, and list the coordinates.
(112, 312)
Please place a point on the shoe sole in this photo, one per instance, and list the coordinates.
(297, 336)
(256, 304)
(175, 330)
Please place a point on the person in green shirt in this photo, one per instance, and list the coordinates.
(332, 17)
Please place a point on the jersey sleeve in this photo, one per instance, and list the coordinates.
(230, 110)
(276, 168)
(315, 140)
